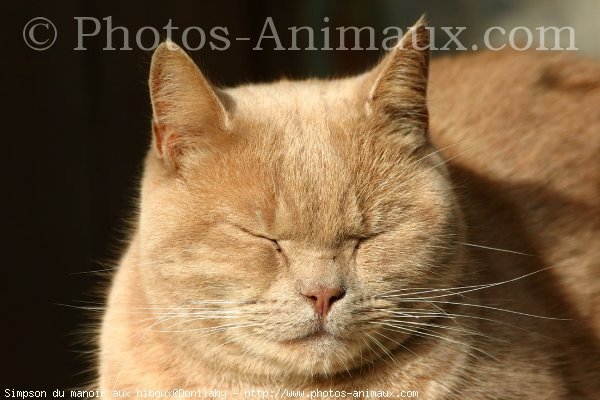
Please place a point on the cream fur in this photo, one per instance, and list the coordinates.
(344, 175)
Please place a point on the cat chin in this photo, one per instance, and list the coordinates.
(320, 338)
(317, 357)
(320, 354)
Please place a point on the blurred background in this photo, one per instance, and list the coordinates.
(78, 129)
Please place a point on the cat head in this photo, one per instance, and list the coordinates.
(280, 222)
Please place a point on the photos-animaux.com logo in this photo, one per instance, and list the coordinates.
(40, 34)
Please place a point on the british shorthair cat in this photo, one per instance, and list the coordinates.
(400, 232)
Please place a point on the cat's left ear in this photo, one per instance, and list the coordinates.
(187, 110)
(398, 84)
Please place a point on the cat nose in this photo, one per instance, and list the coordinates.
(323, 298)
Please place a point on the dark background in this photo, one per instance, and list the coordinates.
(77, 124)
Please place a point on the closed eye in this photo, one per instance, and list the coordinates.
(360, 240)
(259, 236)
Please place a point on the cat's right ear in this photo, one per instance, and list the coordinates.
(186, 109)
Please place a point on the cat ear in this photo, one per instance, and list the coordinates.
(186, 109)
(398, 84)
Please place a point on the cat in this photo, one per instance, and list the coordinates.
(433, 233)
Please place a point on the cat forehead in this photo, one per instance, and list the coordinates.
(306, 124)
(283, 100)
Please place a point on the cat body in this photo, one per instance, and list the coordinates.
(367, 233)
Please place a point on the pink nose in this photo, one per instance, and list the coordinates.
(323, 298)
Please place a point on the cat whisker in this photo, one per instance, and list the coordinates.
(221, 302)
(483, 306)
(409, 311)
(382, 347)
(217, 317)
(451, 328)
(419, 332)
(455, 317)
(412, 292)
(450, 344)
(442, 311)
(208, 330)
(215, 349)
(442, 344)
(442, 149)
(130, 353)
(465, 289)
(448, 160)
(86, 308)
(371, 349)
(480, 246)
(399, 344)
(209, 314)
(221, 329)
(212, 312)
(337, 354)
(97, 271)
(208, 309)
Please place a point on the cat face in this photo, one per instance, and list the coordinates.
(279, 222)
